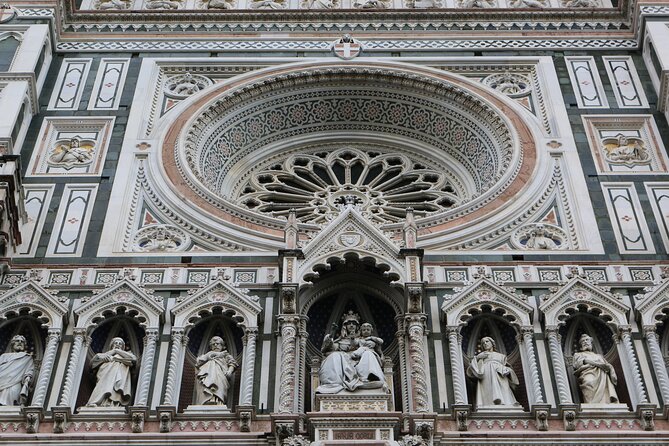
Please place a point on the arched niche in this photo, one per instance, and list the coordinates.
(123, 309)
(220, 309)
(357, 286)
(578, 307)
(487, 309)
(653, 312)
(36, 314)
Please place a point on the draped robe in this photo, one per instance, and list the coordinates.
(494, 380)
(596, 379)
(14, 367)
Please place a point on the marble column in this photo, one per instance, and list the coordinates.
(625, 338)
(457, 365)
(248, 366)
(559, 368)
(527, 338)
(73, 366)
(146, 368)
(401, 342)
(659, 366)
(287, 382)
(42, 383)
(415, 324)
(179, 340)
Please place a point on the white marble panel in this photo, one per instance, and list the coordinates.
(586, 82)
(109, 83)
(74, 214)
(658, 195)
(627, 219)
(38, 197)
(70, 84)
(625, 82)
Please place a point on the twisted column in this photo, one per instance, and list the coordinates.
(399, 335)
(47, 366)
(144, 384)
(287, 375)
(625, 337)
(80, 339)
(528, 337)
(250, 336)
(653, 343)
(301, 363)
(457, 365)
(178, 341)
(419, 388)
(559, 368)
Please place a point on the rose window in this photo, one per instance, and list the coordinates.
(316, 185)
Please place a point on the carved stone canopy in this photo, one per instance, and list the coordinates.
(654, 305)
(31, 297)
(244, 309)
(124, 297)
(580, 295)
(486, 295)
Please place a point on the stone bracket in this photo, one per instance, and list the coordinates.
(541, 412)
(138, 414)
(284, 426)
(646, 412)
(33, 414)
(61, 415)
(166, 415)
(423, 426)
(245, 414)
(568, 413)
(461, 414)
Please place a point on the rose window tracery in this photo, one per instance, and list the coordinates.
(318, 184)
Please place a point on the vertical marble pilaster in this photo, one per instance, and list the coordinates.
(401, 342)
(148, 356)
(287, 382)
(73, 366)
(625, 339)
(248, 366)
(650, 333)
(457, 365)
(527, 337)
(301, 362)
(559, 368)
(44, 376)
(178, 342)
(415, 324)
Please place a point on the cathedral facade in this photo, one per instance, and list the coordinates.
(334, 222)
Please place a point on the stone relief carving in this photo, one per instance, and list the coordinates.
(72, 152)
(160, 238)
(219, 4)
(16, 373)
(510, 84)
(627, 150)
(539, 236)
(529, 3)
(268, 4)
(113, 388)
(162, 4)
(581, 3)
(596, 377)
(320, 4)
(494, 377)
(424, 4)
(354, 360)
(477, 4)
(371, 4)
(105, 5)
(183, 85)
(214, 370)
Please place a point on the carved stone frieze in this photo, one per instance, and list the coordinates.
(181, 86)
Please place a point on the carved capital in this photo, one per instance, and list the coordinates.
(415, 299)
(650, 331)
(288, 300)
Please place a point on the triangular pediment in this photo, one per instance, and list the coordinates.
(351, 233)
(149, 309)
(580, 294)
(652, 304)
(43, 305)
(485, 293)
(243, 307)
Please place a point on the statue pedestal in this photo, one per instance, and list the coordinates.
(499, 409)
(371, 400)
(8, 411)
(104, 411)
(604, 408)
(361, 417)
(206, 409)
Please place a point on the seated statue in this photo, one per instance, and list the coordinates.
(16, 373)
(214, 370)
(353, 360)
(494, 376)
(113, 387)
(596, 377)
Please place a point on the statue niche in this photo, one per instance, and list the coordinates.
(109, 380)
(493, 364)
(22, 345)
(211, 374)
(593, 365)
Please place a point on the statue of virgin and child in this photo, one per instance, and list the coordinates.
(353, 359)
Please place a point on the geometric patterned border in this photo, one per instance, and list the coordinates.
(369, 45)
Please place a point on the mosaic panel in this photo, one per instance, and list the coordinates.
(456, 275)
(245, 276)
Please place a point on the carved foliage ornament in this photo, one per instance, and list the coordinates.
(511, 84)
(184, 85)
(160, 238)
